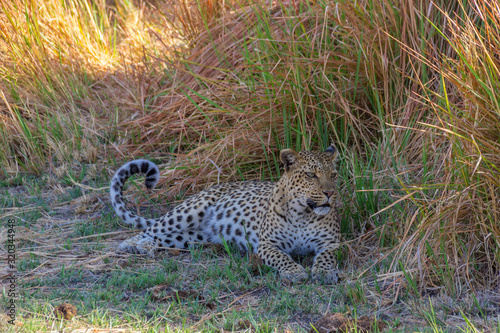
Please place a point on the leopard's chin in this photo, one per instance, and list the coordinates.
(322, 210)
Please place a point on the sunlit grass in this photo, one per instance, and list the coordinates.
(69, 71)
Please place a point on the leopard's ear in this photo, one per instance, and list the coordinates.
(332, 152)
(289, 157)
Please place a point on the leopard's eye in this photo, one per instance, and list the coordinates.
(334, 175)
(311, 175)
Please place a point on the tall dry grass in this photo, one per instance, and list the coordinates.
(457, 241)
(407, 89)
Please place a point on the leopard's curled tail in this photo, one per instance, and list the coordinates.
(144, 167)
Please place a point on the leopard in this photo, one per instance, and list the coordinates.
(295, 216)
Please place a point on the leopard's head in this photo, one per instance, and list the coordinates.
(310, 179)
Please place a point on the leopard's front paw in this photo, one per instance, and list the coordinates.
(295, 274)
(140, 244)
(330, 276)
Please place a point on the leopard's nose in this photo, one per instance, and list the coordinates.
(328, 193)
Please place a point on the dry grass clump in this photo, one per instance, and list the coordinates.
(458, 237)
(263, 77)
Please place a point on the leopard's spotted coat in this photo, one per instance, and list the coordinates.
(295, 215)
